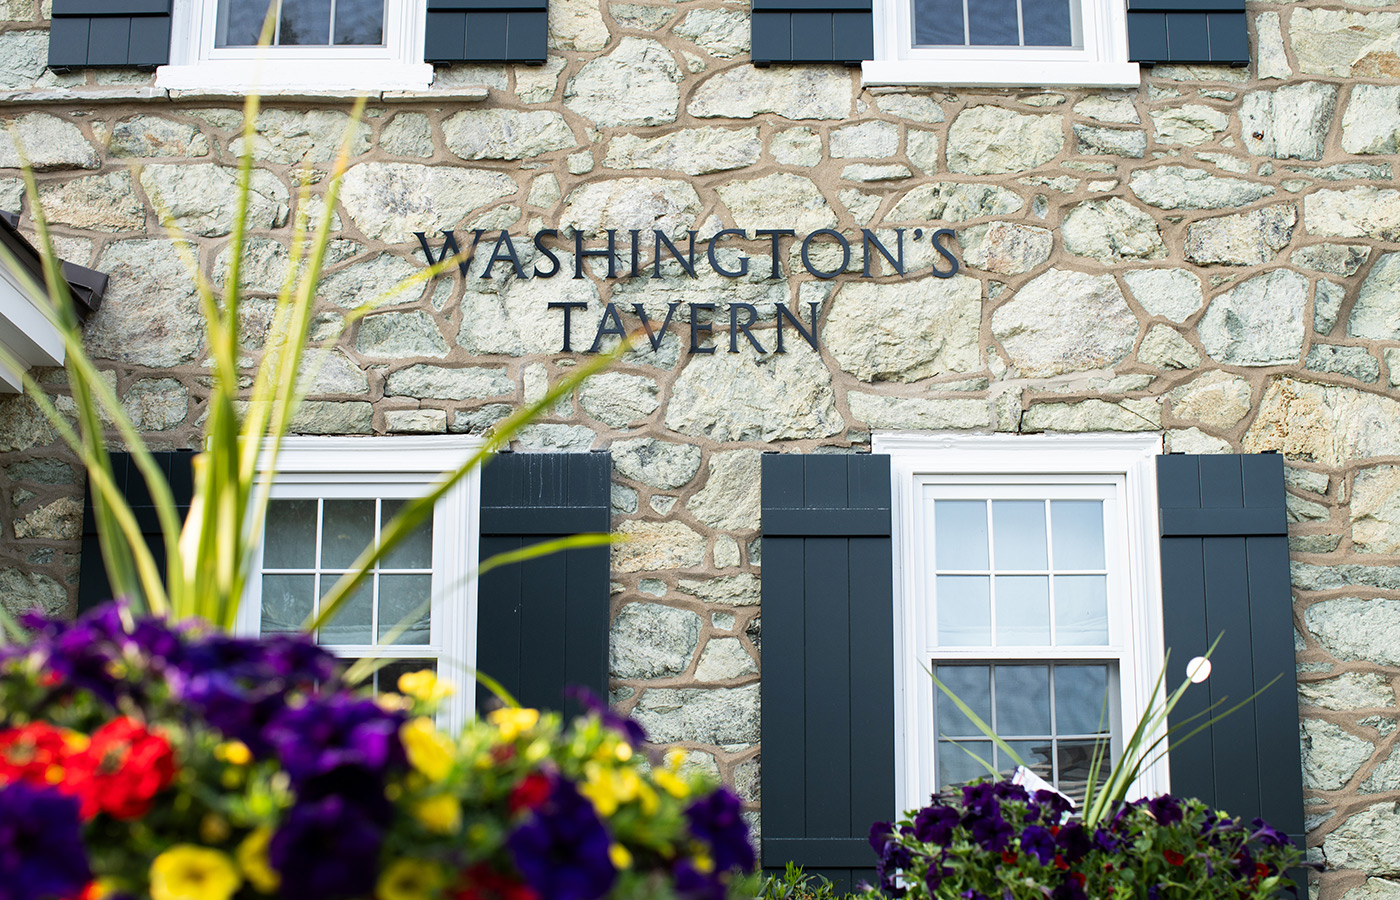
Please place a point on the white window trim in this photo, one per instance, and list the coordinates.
(28, 334)
(1129, 457)
(1102, 61)
(337, 466)
(195, 63)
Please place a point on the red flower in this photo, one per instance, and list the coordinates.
(1060, 862)
(38, 754)
(1078, 877)
(1008, 857)
(1174, 858)
(123, 769)
(530, 792)
(481, 882)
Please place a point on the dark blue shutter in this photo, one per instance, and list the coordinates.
(1187, 31)
(487, 31)
(542, 625)
(93, 586)
(828, 661)
(1225, 571)
(126, 33)
(812, 31)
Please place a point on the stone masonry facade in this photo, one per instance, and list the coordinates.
(1212, 256)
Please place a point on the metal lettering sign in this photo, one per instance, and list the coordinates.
(627, 258)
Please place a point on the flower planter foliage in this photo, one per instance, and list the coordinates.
(995, 841)
(179, 763)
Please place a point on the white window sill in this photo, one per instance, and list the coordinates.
(1001, 73)
(340, 77)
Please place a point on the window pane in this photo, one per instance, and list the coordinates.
(416, 551)
(992, 23)
(240, 22)
(1081, 610)
(1035, 754)
(1074, 759)
(964, 610)
(1081, 694)
(938, 22)
(973, 686)
(1078, 526)
(956, 767)
(1047, 23)
(289, 537)
(960, 534)
(347, 529)
(403, 602)
(305, 22)
(1023, 700)
(286, 602)
(1018, 528)
(359, 22)
(352, 622)
(1023, 610)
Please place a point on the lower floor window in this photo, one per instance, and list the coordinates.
(333, 498)
(1025, 585)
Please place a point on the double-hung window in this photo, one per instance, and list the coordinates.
(417, 609)
(1001, 42)
(316, 45)
(1026, 582)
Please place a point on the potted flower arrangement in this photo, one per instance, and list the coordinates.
(145, 752)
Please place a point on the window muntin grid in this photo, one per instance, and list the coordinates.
(311, 541)
(996, 23)
(302, 23)
(1052, 714)
(1019, 571)
(1022, 576)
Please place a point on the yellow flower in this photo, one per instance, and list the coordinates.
(621, 857)
(429, 750)
(514, 722)
(411, 879)
(442, 813)
(424, 685)
(213, 828)
(188, 872)
(671, 783)
(252, 858)
(610, 788)
(234, 752)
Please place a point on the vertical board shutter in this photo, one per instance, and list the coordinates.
(828, 661)
(1225, 571)
(542, 625)
(93, 586)
(486, 31)
(1187, 31)
(812, 31)
(127, 33)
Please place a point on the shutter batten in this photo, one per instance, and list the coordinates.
(828, 665)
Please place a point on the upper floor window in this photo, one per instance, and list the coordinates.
(339, 45)
(1001, 42)
(301, 23)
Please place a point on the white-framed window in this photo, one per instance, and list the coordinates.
(328, 45)
(1001, 43)
(1026, 578)
(331, 498)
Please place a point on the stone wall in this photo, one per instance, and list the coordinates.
(1211, 256)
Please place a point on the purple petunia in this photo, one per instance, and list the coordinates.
(625, 725)
(718, 821)
(41, 845)
(561, 850)
(1166, 809)
(1074, 841)
(326, 849)
(1267, 835)
(935, 824)
(327, 733)
(991, 831)
(1039, 843)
